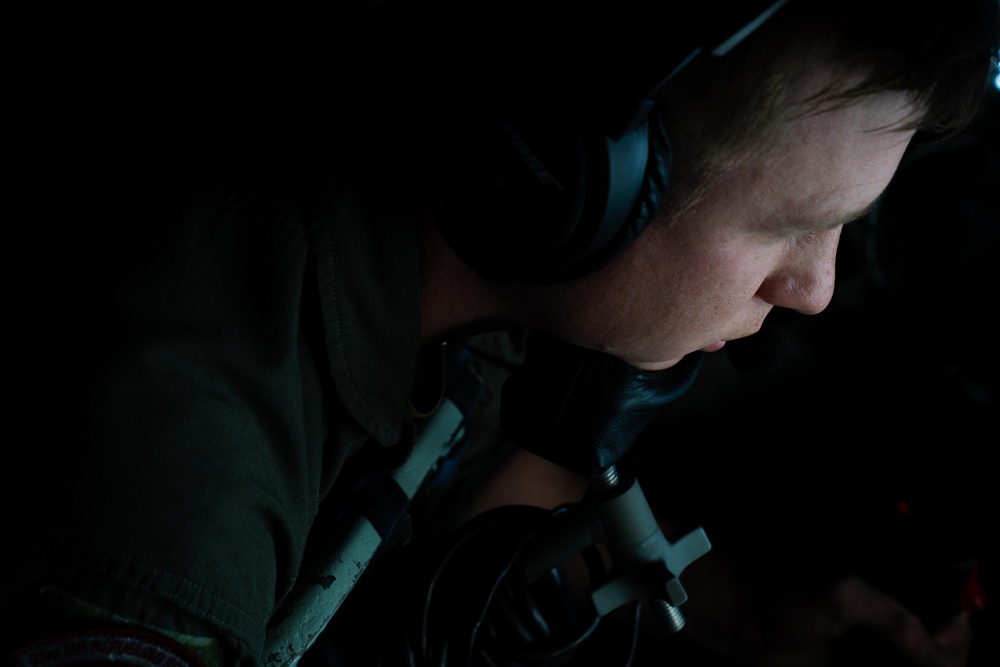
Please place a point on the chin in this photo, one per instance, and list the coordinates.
(653, 366)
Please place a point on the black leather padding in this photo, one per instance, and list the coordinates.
(582, 409)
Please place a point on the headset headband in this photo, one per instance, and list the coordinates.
(548, 161)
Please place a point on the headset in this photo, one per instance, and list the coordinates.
(548, 161)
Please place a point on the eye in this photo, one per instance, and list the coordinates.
(806, 239)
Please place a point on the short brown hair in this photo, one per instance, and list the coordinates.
(728, 107)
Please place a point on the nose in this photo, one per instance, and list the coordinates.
(804, 280)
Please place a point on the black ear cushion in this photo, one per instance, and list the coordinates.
(656, 182)
(520, 234)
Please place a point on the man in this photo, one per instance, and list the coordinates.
(274, 323)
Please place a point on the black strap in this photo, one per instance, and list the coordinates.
(380, 499)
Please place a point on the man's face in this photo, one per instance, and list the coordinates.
(764, 235)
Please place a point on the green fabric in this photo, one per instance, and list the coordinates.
(207, 354)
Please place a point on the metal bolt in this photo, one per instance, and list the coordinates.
(671, 617)
(607, 479)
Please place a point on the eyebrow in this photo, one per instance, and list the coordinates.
(845, 218)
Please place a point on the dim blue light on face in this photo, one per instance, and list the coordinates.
(996, 81)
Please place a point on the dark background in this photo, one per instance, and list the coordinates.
(892, 394)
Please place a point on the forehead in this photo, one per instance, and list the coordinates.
(831, 157)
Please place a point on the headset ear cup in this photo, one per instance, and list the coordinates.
(652, 196)
(526, 231)
(656, 183)
(509, 195)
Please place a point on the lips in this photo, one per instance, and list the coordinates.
(714, 347)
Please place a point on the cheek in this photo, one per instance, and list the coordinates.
(667, 296)
(720, 279)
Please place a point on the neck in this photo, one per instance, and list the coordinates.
(454, 299)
